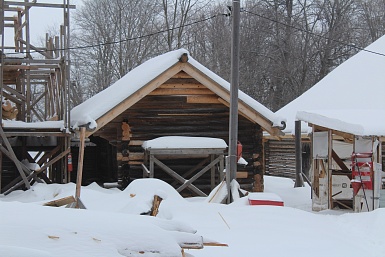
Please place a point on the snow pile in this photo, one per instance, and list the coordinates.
(111, 224)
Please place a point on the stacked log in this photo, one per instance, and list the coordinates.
(9, 112)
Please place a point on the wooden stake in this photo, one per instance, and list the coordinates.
(80, 164)
(155, 205)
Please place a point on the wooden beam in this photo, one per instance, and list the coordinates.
(181, 91)
(33, 4)
(344, 135)
(337, 159)
(9, 67)
(203, 99)
(183, 85)
(14, 92)
(80, 165)
(178, 177)
(138, 95)
(197, 175)
(38, 50)
(181, 75)
(61, 155)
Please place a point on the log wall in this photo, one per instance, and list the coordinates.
(280, 158)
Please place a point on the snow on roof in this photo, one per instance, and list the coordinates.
(184, 142)
(14, 124)
(351, 93)
(95, 107)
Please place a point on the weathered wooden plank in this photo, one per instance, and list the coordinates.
(182, 75)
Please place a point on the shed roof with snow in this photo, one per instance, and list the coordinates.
(349, 99)
(141, 81)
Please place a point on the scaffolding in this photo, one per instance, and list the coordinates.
(35, 88)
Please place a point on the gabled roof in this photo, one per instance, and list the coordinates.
(350, 98)
(109, 103)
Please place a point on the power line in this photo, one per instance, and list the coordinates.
(124, 40)
(314, 34)
(200, 21)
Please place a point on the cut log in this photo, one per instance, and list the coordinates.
(215, 244)
(155, 205)
(242, 174)
(61, 201)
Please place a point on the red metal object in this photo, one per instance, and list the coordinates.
(69, 162)
(362, 172)
(265, 199)
(239, 150)
(265, 202)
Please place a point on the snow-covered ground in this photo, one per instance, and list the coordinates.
(111, 224)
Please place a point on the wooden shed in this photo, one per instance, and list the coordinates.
(354, 183)
(356, 86)
(169, 95)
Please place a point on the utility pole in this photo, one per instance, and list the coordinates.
(231, 169)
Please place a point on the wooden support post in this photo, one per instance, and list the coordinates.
(330, 168)
(80, 165)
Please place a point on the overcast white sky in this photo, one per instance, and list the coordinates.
(43, 19)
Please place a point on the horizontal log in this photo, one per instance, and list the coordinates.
(203, 99)
(135, 142)
(183, 86)
(135, 163)
(120, 157)
(242, 174)
(19, 67)
(135, 156)
(177, 91)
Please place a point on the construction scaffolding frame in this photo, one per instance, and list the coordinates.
(35, 87)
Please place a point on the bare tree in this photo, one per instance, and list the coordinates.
(174, 15)
(117, 31)
(286, 45)
(373, 16)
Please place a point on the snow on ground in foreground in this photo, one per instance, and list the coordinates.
(111, 225)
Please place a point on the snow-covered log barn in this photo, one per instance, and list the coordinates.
(169, 95)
